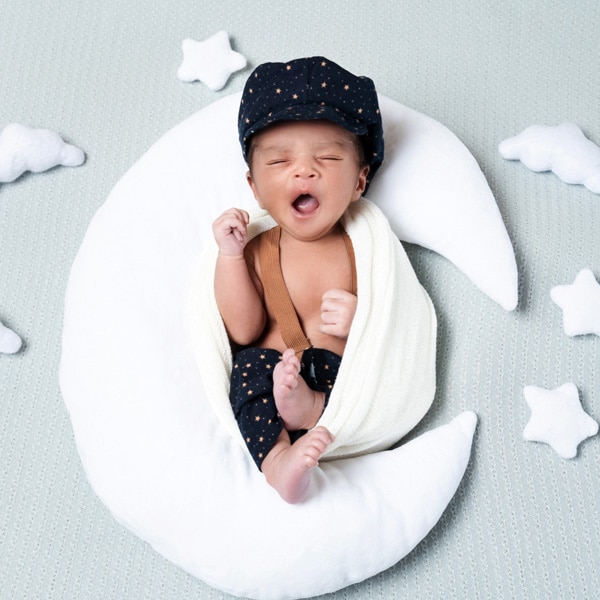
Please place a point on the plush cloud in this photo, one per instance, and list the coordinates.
(10, 342)
(562, 149)
(212, 61)
(25, 149)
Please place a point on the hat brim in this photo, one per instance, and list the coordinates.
(306, 112)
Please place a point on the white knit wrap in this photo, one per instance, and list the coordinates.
(386, 380)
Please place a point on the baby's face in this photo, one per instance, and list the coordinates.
(306, 174)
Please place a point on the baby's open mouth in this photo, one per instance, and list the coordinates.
(305, 204)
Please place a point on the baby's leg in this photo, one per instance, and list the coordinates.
(288, 467)
(299, 406)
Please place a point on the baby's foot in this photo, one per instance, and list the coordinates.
(288, 468)
(299, 406)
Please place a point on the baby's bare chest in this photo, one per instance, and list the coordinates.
(307, 275)
(306, 287)
(308, 280)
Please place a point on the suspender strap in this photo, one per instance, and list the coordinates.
(277, 296)
(350, 251)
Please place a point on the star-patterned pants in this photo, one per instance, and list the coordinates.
(252, 399)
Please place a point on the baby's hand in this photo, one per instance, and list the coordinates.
(231, 233)
(337, 311)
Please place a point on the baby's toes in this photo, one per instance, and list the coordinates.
(292, 365)
(323, 434)
(291, 380)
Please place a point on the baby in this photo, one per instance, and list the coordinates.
(312, 137)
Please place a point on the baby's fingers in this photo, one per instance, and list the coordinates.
(232, 219)
(338, 302)
(230, 230)
(337, 312)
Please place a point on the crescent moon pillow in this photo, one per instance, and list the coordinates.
(149, 441)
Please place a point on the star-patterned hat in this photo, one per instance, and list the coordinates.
(308, 89)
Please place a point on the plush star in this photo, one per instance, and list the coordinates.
(211, 61)
(580, 303)
(558, 419)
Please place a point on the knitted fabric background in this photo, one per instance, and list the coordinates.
(524, 522)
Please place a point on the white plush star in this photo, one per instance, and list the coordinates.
(211, 61)
(557, 418)
(580, 303)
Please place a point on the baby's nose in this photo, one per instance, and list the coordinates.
(304, 168)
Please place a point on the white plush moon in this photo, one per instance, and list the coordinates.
(152, 448)
(435, 195)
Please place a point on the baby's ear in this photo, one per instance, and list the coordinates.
(252, 185)
(361, 183)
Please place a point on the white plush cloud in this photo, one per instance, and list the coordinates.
(558, 419)
(212, 61)
(10, 342)
(562, 149)
(25, 149)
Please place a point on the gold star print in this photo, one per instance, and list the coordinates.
(261, 439)
(260, 455)
(323, 64)
(250, 392)
(257, 419)
(326, 367)
(278, 91)
(360, 111)
(262, 357)
(248, 440)
(268, 366)
(288, 68)
(251, 91)
(324, 84)
(265, 401)
(295, 96)
(346, 87)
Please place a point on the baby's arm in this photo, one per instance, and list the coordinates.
(337, 312)
(238, 298)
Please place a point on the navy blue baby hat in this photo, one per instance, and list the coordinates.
(308, 89)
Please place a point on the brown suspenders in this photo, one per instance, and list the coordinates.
(277, 296)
